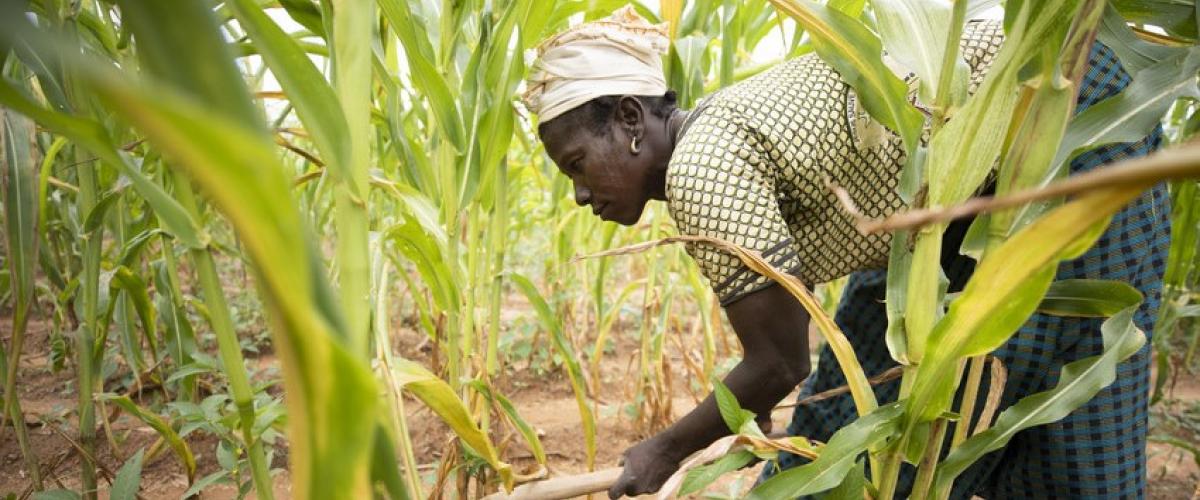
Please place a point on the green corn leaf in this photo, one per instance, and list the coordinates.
(47, 69)
(135, 288)
(1132, 114)
(129, 479)
(1078, 382)
(700, 477)
(1135, 54)
(164, 429)
(1185, 217)
(18, 175)
(962, 153)
(734, 415)
(1088, 298)
(1005, 289)
(914, 33)
(96, 216)
(439, 397)
(534, 20)
(423, 244)
(383, 465)
(574, 371)
(853, 487)
(312, 97)
(20, 179)
(856, 53)
(899, 264)
(92, 136)
(306, 13)
(514, 417)
(1178, 17)
(186, 30)
(425, 75)
(330, 422)
(837, 458)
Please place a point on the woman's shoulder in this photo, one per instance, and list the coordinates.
(784, 97)
(786, 85)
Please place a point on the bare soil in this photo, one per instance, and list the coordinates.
(544, 399)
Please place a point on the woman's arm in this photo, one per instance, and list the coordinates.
(773, 329)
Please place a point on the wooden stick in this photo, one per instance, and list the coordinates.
(562, 487)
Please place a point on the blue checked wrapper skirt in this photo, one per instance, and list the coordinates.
(1098, 451)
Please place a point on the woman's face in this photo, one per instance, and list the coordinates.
(606, 174)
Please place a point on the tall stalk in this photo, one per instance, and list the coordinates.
(352, 32)
(85, 339)
(233, 364)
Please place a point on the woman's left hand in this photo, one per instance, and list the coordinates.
(647, 466)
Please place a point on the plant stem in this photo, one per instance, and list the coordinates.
(928, 465)
(86, 335)
(352, 32)
(970, 395)
(889, 473)
(230, 350)
(499, 241)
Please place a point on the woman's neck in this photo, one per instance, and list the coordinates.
(658, 176)
(675, 124)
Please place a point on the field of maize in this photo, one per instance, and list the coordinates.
(315, 249)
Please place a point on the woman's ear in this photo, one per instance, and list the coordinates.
(631, 116)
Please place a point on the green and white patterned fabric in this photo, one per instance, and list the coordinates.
(754, 162)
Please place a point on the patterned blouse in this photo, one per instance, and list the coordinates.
(753, 161)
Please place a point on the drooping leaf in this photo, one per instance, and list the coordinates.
(439, 397)
(306, 13)
(238, 167)
(135, 288)
(1132, 114)
(1078, 382)
(514, 417)
(164, 429)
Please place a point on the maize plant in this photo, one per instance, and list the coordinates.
(303, 226)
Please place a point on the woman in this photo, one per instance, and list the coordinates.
(750, 165)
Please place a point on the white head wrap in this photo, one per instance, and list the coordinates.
(617, 55)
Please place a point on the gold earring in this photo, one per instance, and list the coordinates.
(633, 146)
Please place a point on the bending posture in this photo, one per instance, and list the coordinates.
(749, 165)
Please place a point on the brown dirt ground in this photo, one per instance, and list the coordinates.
(545, 401)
